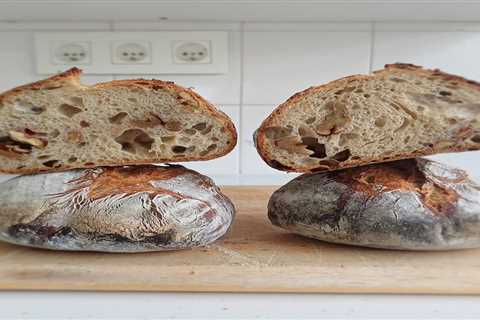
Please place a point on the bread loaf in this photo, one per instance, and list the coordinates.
(400, 112)
(413, 204)
(114, 209)
(59, 124)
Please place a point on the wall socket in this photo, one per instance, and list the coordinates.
(72, 53)
(168, 52)
(191, 52)
(131, 52)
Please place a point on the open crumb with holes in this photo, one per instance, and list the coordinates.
(59, 123)
(402, 111)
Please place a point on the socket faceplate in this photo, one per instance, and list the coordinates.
(70, 53)
(191, 52)
(131, 52)
(166, 52)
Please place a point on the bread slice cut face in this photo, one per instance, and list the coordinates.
(59, 123)
(402, 111)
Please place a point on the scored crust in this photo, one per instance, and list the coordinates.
(114, 209)
(272, 120)
(185, 97)
(413, 204)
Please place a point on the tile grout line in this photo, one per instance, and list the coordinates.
(240, 109)
(372, 47)
(111, 28)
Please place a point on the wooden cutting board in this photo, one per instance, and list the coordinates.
(254, 257)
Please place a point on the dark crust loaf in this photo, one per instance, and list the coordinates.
(414, 204)
(259, 136)
(184, 94)
(114, 209)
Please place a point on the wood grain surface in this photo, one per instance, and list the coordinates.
(254, 257)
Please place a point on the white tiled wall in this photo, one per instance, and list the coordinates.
(280, 63)
(253, 169)
(271, 61)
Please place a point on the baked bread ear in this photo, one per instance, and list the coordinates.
(59, 123)
(114, 209)
(413, 204)
(400, 112)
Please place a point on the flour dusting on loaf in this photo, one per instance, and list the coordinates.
(413, 204)
(119, 209)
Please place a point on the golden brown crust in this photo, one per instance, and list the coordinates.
(185, 96)
(260, 137)
(428, 72)
(128, 180)
(71, 75)
(125, 180)
(93, 165)
(404, 176)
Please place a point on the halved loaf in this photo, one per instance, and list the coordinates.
(403, 111)
(58, 123)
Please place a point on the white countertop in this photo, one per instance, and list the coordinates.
(124, 305)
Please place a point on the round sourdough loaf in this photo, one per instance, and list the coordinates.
(413, 204)
(116, 209)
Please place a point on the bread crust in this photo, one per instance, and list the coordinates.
(260, 138)
(72, 77)
(119, 209)
(413, 204)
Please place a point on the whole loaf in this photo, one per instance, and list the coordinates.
(114, 209)
(414, 204)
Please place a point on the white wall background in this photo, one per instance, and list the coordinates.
(271, 61)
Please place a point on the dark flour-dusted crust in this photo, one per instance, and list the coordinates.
(72, 76)
(260, 137)
(119, 209)
(414, 204)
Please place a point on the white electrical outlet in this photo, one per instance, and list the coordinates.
(131, 52)
(138, 53)
(191, 52)
(70, 53)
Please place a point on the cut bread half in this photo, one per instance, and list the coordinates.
(59, 123)
(402, 111)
